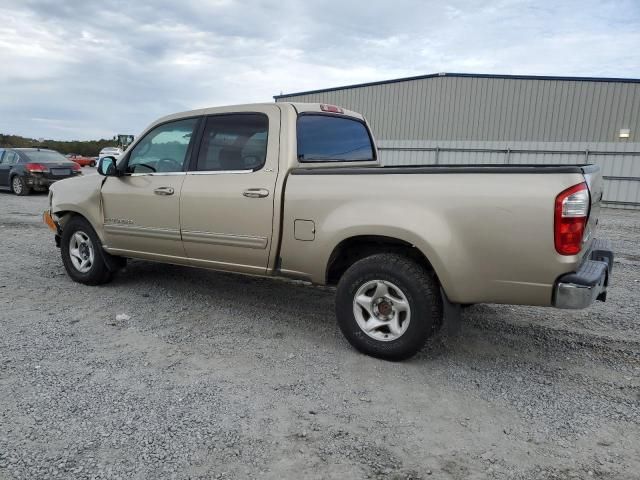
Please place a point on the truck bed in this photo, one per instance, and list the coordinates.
(488, 230)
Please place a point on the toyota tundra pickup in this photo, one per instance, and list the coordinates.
(296, 190)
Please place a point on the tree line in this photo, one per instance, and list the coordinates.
(88, 148)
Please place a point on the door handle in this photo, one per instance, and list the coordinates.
(256, 193)
(164, 191)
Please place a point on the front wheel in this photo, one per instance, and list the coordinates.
(82, 254)
(387, 306)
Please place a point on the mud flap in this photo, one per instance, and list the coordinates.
(452, 313)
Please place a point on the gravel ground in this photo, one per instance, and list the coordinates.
(211, 375)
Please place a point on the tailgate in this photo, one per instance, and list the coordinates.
(593, 177)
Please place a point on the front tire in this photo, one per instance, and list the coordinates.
(387, 306)
(19, 186)
(82, 254)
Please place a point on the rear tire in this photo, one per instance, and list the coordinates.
(19, 186)
(82, 253)
(387, 306)
(92, 163)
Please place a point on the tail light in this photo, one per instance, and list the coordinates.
(76, 167)
(330, 108)
(571, 214)
(35, 167)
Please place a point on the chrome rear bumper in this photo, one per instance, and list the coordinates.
(589, 283)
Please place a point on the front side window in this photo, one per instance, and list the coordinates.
(234, 142)
(163, 149)
(326, 138)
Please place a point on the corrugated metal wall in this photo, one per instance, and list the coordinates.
(620, 162)
(466, 119)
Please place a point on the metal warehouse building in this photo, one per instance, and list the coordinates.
(452, 118)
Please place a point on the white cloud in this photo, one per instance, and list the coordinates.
(96, 69)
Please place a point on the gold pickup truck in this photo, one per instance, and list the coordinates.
(296, 190)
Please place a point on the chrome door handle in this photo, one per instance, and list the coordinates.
(256, 193)
(164, 191)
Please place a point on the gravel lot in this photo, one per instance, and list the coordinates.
(219, 376)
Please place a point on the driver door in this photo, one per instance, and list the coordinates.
(141, 208)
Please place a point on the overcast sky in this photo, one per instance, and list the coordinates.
(82, 69)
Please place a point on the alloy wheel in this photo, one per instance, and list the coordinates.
(381, 310)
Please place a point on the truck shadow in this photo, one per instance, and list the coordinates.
(270, 307)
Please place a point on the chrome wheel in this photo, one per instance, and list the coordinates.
(16, 183)
(381, 310)
(81, 251)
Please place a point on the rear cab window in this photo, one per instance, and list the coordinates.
(332, 138)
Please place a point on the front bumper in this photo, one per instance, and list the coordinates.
(51, 222)
(589, 283)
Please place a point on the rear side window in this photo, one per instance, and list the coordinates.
(9, 158)
(234, 142)
(325, 138)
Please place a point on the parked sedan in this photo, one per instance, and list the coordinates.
(110, 152)
(26, 169)
(82, 160)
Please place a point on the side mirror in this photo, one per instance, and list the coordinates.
(107, 167)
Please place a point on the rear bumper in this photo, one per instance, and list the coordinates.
(45, 180)
(589, 283)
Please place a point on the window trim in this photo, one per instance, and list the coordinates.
(336, 115)
(195, 135)
(193, 167)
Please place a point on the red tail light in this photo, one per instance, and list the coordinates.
(330, 108)
(35, 167)
(571, 214)
(76, 166)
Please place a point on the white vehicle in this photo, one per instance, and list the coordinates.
(110, 152)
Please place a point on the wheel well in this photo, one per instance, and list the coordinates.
(353, 249)
(64, 216)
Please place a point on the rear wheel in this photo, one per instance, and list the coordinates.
(388, 306)
(19, 186)
(92, 163)
(82, 254)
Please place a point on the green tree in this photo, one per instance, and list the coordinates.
(88, 148)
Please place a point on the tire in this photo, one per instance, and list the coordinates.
(76, 233)
(398, 287)
(92, 163)
(19, 186)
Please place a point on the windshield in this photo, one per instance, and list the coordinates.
(325, 138)
(45, 156)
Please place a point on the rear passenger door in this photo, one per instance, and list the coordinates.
(7, 160)
(226, 207)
